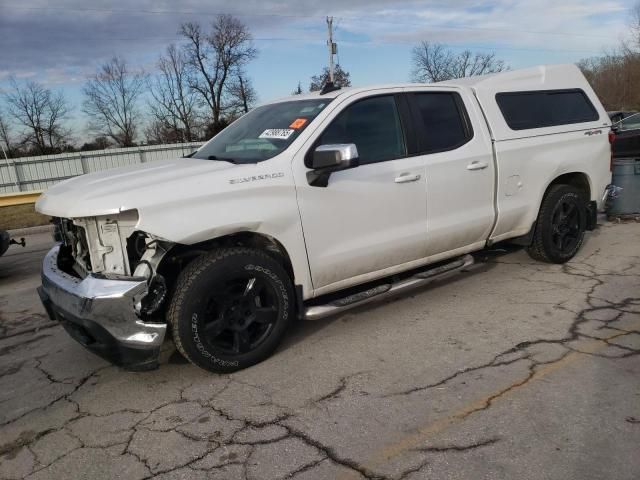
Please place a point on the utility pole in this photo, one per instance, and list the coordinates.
(333, 48)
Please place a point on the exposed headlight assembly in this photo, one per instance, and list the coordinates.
(107, 241)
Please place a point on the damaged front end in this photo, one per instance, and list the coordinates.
(102, 283)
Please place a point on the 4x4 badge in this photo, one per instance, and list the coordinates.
(593, 132)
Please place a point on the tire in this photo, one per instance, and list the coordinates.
(560, 228)
(230, 309)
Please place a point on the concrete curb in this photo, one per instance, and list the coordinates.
(31, 230)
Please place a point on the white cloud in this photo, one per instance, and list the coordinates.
(71, 38)
(586, 25)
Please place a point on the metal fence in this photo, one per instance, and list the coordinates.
(38, 173)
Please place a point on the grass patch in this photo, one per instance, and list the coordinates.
(21, 216)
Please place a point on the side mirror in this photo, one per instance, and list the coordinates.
(331, 156)
(327, 159)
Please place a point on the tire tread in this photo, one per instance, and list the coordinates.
(537, 250)
(186, 279)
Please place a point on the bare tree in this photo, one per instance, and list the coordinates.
(615, 78)
(470, 64)
(214, 58)
(158, 133)
(174, 103)
(111, 97)
(433, 62)
(5, 136)
(242, 95)
(41, 113)
(99, 143)
(615, 75)
(340, 79)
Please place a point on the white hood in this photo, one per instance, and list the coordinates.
(113, 191)
(184, 200)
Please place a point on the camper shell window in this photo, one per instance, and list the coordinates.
(545, 108)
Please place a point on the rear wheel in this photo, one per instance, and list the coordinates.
(231, 308)
(562, 221)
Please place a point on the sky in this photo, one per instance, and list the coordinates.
(60, 43)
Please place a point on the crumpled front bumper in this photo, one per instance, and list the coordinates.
(100, 314)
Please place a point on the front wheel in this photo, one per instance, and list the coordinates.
(230, 309)
(562, 221)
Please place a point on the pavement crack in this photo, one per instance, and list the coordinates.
(253, 443)
(572, 334)
(26, 331)
(305, 468)
(609, 341)
(493, 363)
(460, 448)
(343, 382)
(445, 449)
(24, 439)
(11, 369)
(333, 393)
(16, 346)
(411, 470)
(333, 455)
(38, 366)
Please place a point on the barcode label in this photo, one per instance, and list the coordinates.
(277, 133)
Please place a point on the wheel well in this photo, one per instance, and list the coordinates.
(183, 254)
(575, 179)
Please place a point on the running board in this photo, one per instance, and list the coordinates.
(316, 312)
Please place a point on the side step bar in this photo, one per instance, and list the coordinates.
(316, 312)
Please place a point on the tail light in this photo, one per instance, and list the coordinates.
(612, 139)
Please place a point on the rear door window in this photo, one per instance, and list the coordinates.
(441, 121)
(547, 108)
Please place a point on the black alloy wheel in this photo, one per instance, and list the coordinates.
(565, 224)
(561, 225)
(230, 308)
(240, 315)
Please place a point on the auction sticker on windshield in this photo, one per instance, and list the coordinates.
(277, 133)
(298, 123)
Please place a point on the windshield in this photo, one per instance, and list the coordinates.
(262, 133)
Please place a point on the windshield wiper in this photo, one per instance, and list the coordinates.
(230, 160)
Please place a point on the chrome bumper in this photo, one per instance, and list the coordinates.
(101, 311)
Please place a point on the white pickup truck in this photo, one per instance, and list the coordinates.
(316, 203)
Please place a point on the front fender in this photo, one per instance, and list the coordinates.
(270, 210)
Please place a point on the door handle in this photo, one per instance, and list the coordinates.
(407, 177)
(477, 165)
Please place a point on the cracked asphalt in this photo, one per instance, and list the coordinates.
(513, 369)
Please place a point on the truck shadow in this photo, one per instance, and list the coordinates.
(485, 260)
